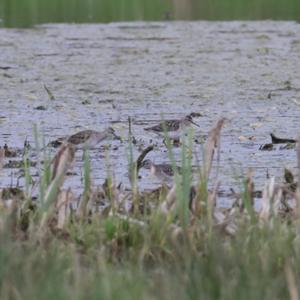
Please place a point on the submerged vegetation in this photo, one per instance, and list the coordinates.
(170, 243)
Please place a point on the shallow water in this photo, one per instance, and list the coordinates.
(143, 70)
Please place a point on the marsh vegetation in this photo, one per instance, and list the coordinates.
(169, 242)
(31, 12)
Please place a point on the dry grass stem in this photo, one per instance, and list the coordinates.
(291, 283)
(212, 143)
(64, 200)
(2, 157)
(168, 204)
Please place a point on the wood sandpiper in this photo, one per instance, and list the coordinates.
(88, 138)
(164, 172)
(172, 125)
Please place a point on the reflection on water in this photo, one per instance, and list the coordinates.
(16, 13)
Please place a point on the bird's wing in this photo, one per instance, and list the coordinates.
(80, 137)
(169, 125)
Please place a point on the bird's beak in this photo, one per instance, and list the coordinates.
(116, 137)
(195, 124)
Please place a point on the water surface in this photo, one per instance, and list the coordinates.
(102, 74)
